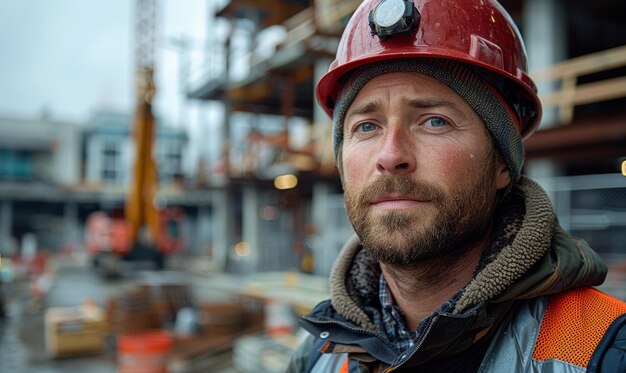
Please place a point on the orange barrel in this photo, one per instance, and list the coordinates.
(143, 351)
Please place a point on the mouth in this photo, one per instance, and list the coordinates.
(393, 202)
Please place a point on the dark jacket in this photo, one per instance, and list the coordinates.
(530, 260)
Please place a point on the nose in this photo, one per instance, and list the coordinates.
(397, 153)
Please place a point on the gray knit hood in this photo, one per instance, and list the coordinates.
(531, 256)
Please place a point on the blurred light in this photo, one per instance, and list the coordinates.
(270, 212)
(242, 249)
(624, 168)
(303, 162)
(286, 181)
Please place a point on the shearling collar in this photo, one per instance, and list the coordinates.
(530, 256)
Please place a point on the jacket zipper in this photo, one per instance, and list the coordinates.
(416, 347)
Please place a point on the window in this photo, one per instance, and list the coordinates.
(111, 161)
(169, 159)
(16, 164)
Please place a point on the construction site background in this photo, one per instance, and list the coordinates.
(249, 200)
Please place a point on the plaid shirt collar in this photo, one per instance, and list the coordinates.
(393, 319)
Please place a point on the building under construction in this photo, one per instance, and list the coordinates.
(577, 55)
(273, 191)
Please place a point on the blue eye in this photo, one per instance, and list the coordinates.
(436, 122)
(366, 127)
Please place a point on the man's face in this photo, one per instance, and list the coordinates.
(418, 169)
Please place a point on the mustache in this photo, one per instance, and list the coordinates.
(402, 185)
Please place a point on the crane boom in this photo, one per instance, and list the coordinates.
(141, 210)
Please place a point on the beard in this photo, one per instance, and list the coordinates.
(448, 226)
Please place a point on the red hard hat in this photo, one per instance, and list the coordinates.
(479, 33)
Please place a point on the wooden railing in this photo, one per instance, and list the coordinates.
(570, 93)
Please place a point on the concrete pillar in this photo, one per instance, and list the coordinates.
(223, 223)
(222, 200)
(250, 226)
(545, 34)
(324, 245)
(71, 229)
(6, 225)
(322, 123)
(203, 235)
(227, 104)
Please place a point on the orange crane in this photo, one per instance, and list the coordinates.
(141, 210)
(145, 232)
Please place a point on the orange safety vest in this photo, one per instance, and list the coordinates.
(573, 325)
(558, 333)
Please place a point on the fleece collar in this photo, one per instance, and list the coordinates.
(530, 256)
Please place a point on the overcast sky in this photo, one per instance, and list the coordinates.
(72, 57)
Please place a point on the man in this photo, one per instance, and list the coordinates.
(458, 263)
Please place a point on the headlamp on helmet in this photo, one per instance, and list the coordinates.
(391, 17)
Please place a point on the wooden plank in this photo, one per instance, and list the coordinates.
(328, 14)
(299, 18)
(273, 11)
(298, 34)
(588, 93)
(584, 65)
(566, 108)
(581, 134)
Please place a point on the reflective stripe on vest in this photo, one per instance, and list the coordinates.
(331, 363)
(554, 338)
(512, 346)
